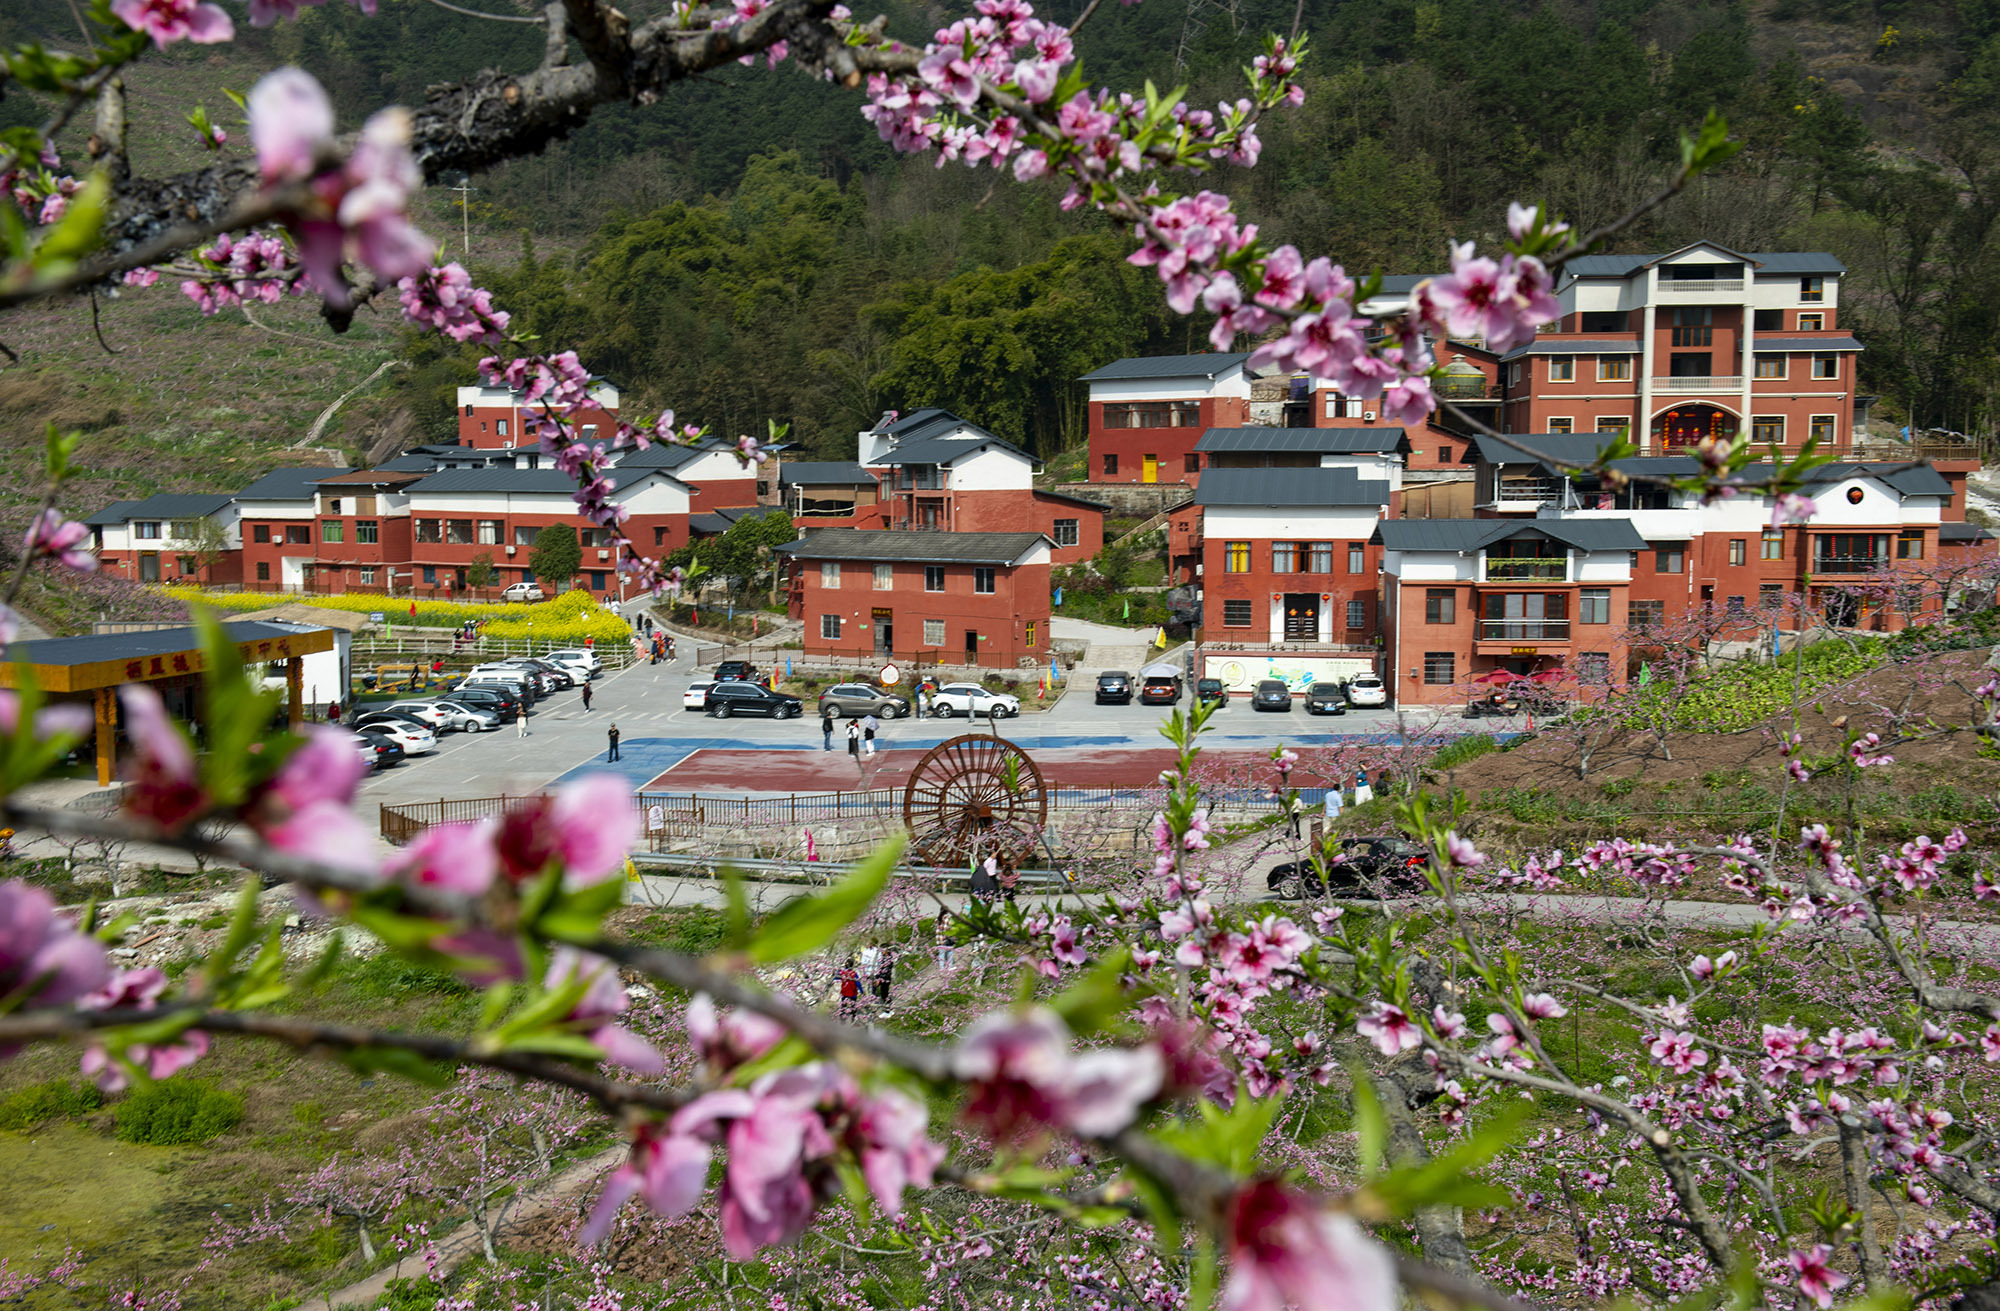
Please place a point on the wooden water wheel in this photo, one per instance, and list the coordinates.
(972, 797)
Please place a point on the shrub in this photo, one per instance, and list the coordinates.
(58, 1099)
(177, 1111)
(1464, 750)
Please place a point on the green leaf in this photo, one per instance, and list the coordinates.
(551, 1043)
(1098, 998)
(1442, 1180)
(1371, 1126)
(809, 923)
(577, 915)
(1203, 1276)
(58, 447)
(1227, 1138)
(242, 930)
(735, 912)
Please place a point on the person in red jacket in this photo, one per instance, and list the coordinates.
(850, 991)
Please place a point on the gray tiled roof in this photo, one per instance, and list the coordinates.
(407, 464)
(167, 505)
(1477, 534)
(886, 544)
(1560, 447)
(1910, 480)
(291, 484)
(823, 473)
(1289, 487)
(667, 455)
(1575, 346)
(1805, 344)
(945, 450)
(1167, 366)
(135, 645)
(715, 522)
(1768, 262)
(1953, 531)
(113, 513)
(921, 423)
(1329, 441)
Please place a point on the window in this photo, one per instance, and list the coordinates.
(1235, 614)
(1594, 606)
(1614, 368)
(1440, 605)
(829, 573)
(501, 427)
(1768, 321)
(1444, 455)
(332, 530)
(1773, 547)
(1647, 614)
(430, 574)
(1348, 407)
(1910, 545)
(1812, 322)
(1826, 366)
(458, 531)
(1514, 374)
(186, 563)
(1593, 667)
(1236, 558)
(1357, 557)
(300, 534)
(525, 536)
(1440, 668)
(597, 580)
(1562, 368)
(1770, 595)
(885, 577)
(1692, 327)
(1812, 290)
(490, 530)
(1562, 423)
(1357, 614)
(1066, 532)
(659, 536)
(1634, 561)
(1191, 462)
(1734, 606)
(1669, 560)
(332, 505)
(1603, 321)
(1284, 557)
(1028, 633)
(263, 571)
(147, 530)
(1154, 414)
(933, 632)
(261, 533)
(1110, 466)
(1737, 550)
(1822, 427)
(468, 411)
(982, 578)
(1525, 617)
(368, 577)
(1618, 423)
(934, 579)
(367, 530)
(829, 627)
(1770, 365)
(1320, 558)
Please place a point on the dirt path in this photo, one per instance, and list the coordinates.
(462, 1243)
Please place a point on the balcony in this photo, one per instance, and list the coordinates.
(1704, 285)
(1524, 630)
(1526, 569)
(1849, 564)
(1530, 491)
(1697, 385)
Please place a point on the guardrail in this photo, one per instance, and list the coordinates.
(815, 873)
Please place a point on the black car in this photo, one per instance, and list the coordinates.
(1271, 694)
(1114, 687)
(500, 700)
(741, 671)
(1356, 866)
(1326, 699)
(387, 751)
(726, 699)
(1160, 691)
(1211, 689)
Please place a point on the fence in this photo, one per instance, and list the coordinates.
(400, 648)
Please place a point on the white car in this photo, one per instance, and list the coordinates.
(414, 741)
(426, 711)
(577, 655)
(468, 718)
(523, 592)
(696, 697)
(974, 700)
(579, 673)
(1367, 690)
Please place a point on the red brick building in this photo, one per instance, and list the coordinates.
(362, 533)
(931, 598)
(490, 418)
(172, 537)
(1147, 414)
(280, 539)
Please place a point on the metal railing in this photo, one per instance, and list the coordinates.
(1524, 630)
(1507, 569)
(1701, 284)
(1849, 564)
(1704, 383)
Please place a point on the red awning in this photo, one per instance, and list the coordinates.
(1497, 676)
(1546, 676)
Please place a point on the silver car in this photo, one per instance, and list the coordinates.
(467, 718)
(857, 699)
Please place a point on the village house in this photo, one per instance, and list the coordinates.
(170, 538)
(1145, 415)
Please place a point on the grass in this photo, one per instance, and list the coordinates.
(52, 1099)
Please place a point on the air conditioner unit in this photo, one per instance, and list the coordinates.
(512, 549)
(1368, 416)
(604, 555)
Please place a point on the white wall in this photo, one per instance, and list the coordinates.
(1878, 505)
(991, 470)
(1298, 523)
(275, 509)
(1230, 382)
(1431, 566)
(1386, 467)
(1603, 567)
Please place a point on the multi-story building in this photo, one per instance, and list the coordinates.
(277, 514)
(1147, 414)
(940, 473)
(1286, 558)
(1372, 453)
(172, 537)
(490, 418)
(832, 494)
(1701, 342)
(932, 598)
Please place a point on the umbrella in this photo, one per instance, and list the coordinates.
(1546, 676)
(1497, 676)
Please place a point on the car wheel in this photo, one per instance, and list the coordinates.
(943, 710)
(1290, 887)
(722, 712)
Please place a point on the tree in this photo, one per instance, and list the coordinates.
(481, 572)
(556, 556)
(206, 545)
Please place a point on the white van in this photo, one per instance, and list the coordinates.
(515, 680)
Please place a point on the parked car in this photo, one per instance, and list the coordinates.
(387, 750)
(1114, 687)
(696, 696)
(502, 700)
(740, 671)
(1326, 699)
(414, 738)
(1367, 690)
(1211, 690)
(559, 676)
(469, 718)
(424, 712)
(972, 699)
(859, 699)
(578, 671)
(516, 681)
(726, 699)
(579, 655)
(372, 718)
(1271, 694)
(1355, 866)
(365, 747)
(524, 592)
(1160, 689)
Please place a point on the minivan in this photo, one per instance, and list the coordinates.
(516, 681)
(1114, 686)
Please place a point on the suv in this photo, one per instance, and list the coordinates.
(523, 592)
(1326, 699)
(1211, 689)
(973, 701)
(1398, 862)
(1114, 686)
(1160, 690)
(1367, 690)
(740, 671)
(726, 699)
(861, 699)
(1272, 694)
(496, 697)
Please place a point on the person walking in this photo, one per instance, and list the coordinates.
(521, 721)
(586, 695)
(1295, 812)
(333, 712)
(885, 974)
(868, 726)
(850, 991)
(947, 949)
(612, 734)
(924, 700)
(826, 727)
(854, 739)
(871, 961)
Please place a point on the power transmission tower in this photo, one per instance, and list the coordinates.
(1200, 13)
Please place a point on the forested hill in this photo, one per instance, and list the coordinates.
(748, 251)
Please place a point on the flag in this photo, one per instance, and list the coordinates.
(1645, 674)
(788, 666)
(1059, 596)
(1128, 607)
(1161, 640)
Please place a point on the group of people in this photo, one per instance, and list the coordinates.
(860, 733)
(874, 969)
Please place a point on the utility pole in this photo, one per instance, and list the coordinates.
(464, 190)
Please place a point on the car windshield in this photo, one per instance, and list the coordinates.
(1324, 689)
(1367, 681)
